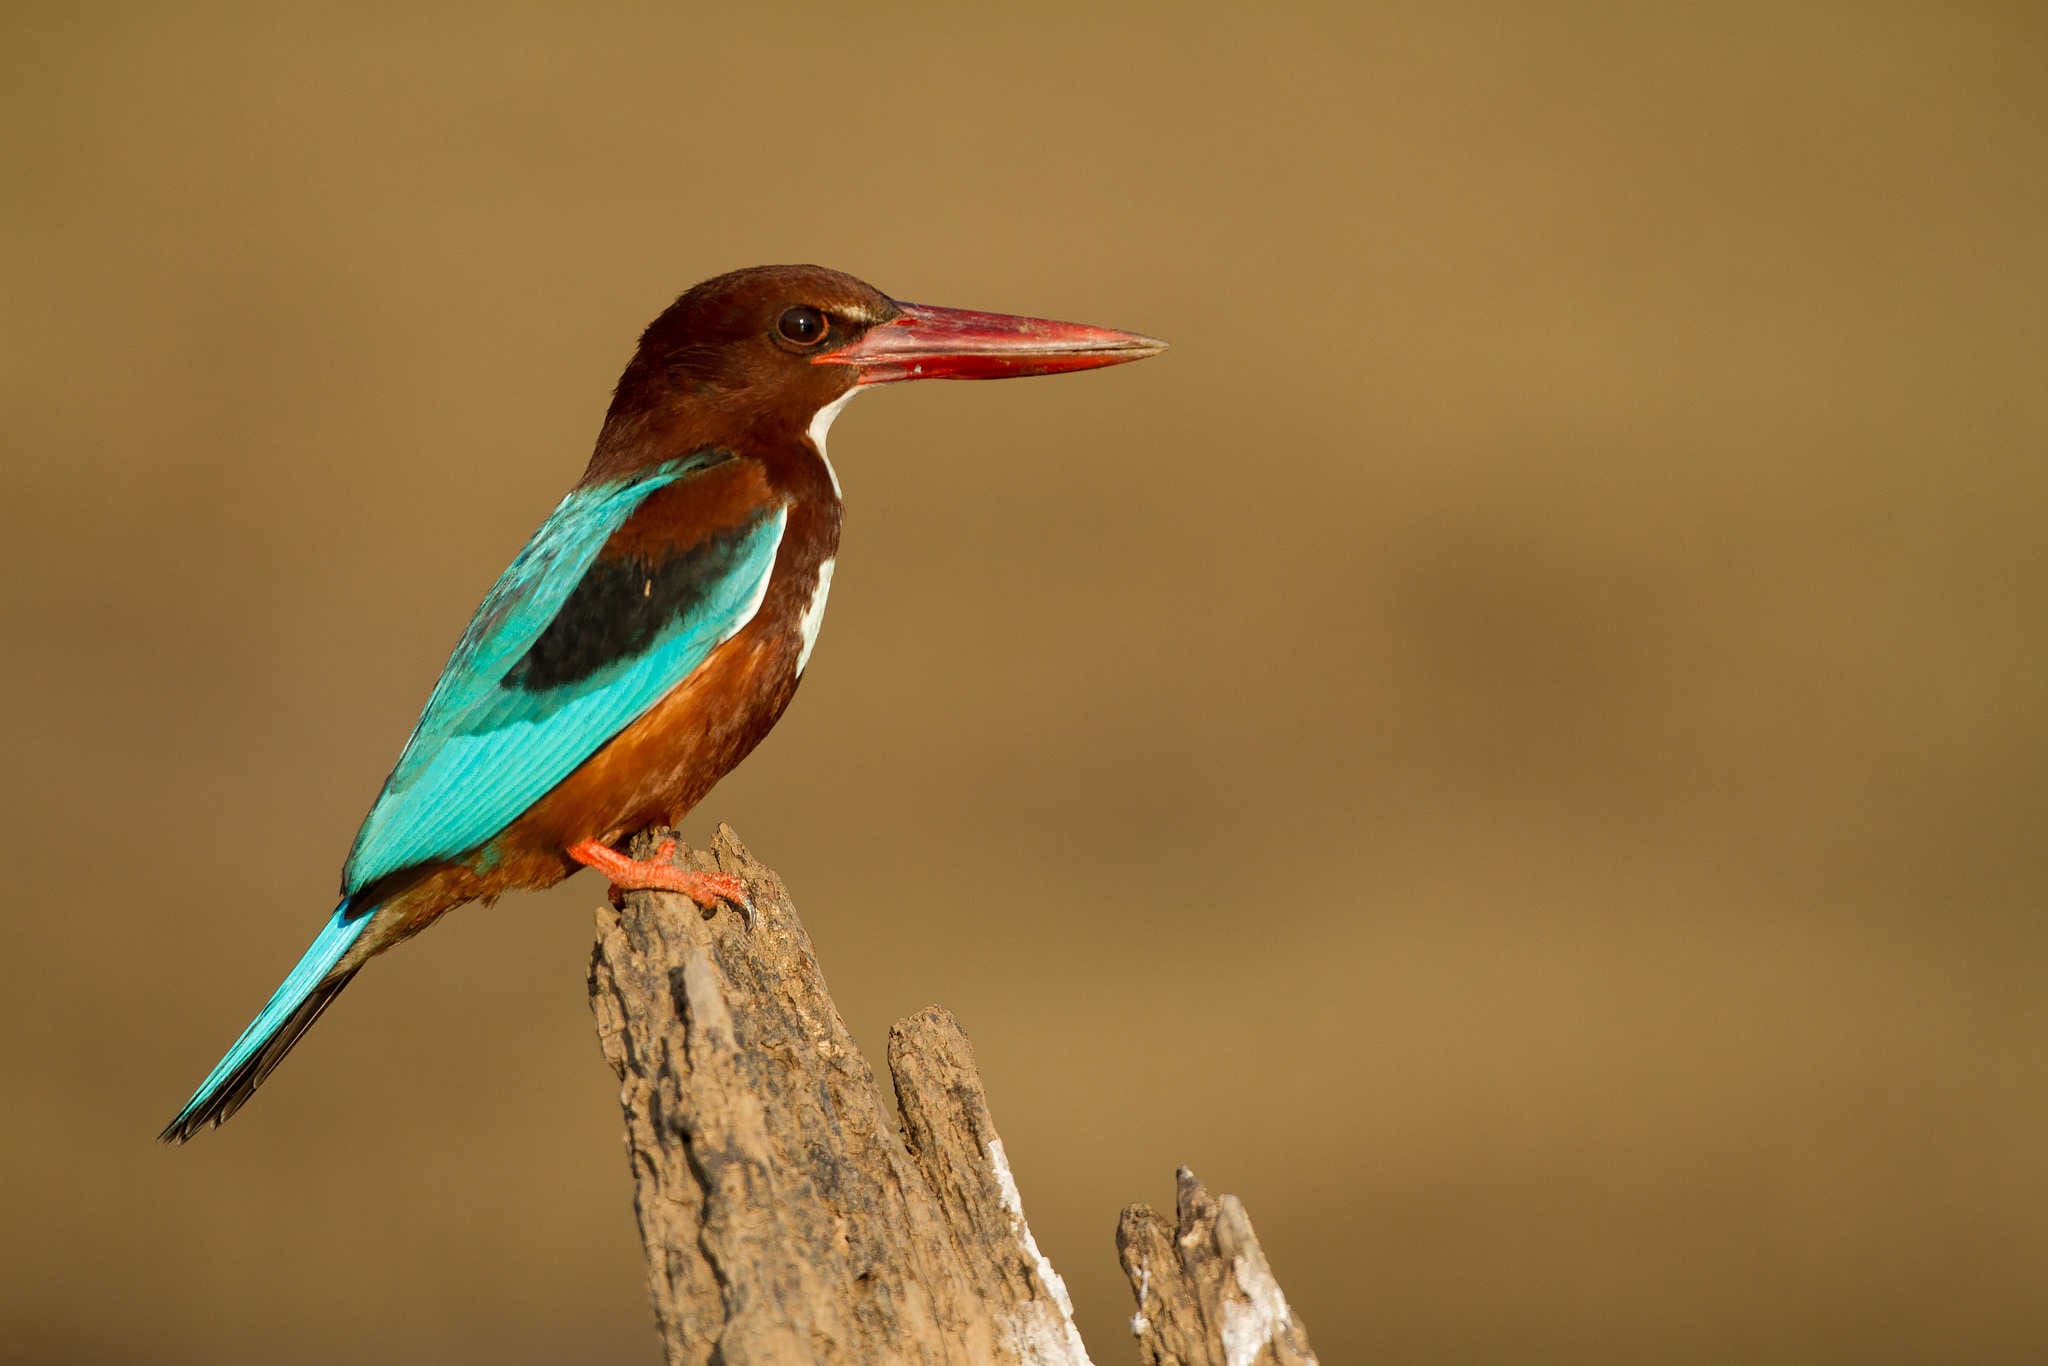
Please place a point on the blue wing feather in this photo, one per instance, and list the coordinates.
(485, 748)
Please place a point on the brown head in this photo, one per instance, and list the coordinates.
(753, 357)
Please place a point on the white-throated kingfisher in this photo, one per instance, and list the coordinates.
(653, 629)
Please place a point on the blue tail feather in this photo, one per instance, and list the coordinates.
(289, 1013)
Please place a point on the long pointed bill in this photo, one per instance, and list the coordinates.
(955, 343)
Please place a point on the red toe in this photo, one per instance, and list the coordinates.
(660, 874)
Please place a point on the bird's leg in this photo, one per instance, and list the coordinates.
(659, 874)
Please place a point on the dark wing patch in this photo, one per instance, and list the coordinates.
(487, 747)
(620, 605)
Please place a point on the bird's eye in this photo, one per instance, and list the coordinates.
(803, 325)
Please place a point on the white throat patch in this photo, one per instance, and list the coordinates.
(821, 424)
(814, 614)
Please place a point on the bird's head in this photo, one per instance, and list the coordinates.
(768, 351)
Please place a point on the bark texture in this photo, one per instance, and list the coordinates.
(1206, 1296)
(786, 1215)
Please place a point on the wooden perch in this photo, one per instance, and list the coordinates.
(787, 1217)
(1205, 1294)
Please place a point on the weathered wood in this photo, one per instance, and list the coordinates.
(1206, 1296)
(786, 1214)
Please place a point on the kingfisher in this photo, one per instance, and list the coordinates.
(653, 629)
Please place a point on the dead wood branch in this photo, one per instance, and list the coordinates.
(785, 1214)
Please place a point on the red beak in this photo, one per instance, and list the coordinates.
(956, 343)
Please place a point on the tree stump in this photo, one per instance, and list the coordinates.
(787, 1216)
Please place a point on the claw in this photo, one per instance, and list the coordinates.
(659, 873)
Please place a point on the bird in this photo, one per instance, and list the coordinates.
(652, 630)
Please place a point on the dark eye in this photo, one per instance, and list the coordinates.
(803, 325)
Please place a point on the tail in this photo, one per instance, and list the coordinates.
(310, 988)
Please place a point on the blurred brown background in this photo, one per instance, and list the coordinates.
(1517, 747)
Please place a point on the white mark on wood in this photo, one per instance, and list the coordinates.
(709, 1017)
(1042, 1333)
(1139, 1323)
(1249, 1324)
(821, 424)
(814, 615)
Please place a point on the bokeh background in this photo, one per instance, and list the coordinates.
(1518, 747)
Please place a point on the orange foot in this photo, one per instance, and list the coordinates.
(659, 874)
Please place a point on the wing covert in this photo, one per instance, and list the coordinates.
(568, 648)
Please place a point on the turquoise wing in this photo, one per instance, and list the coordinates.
(568, 649)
